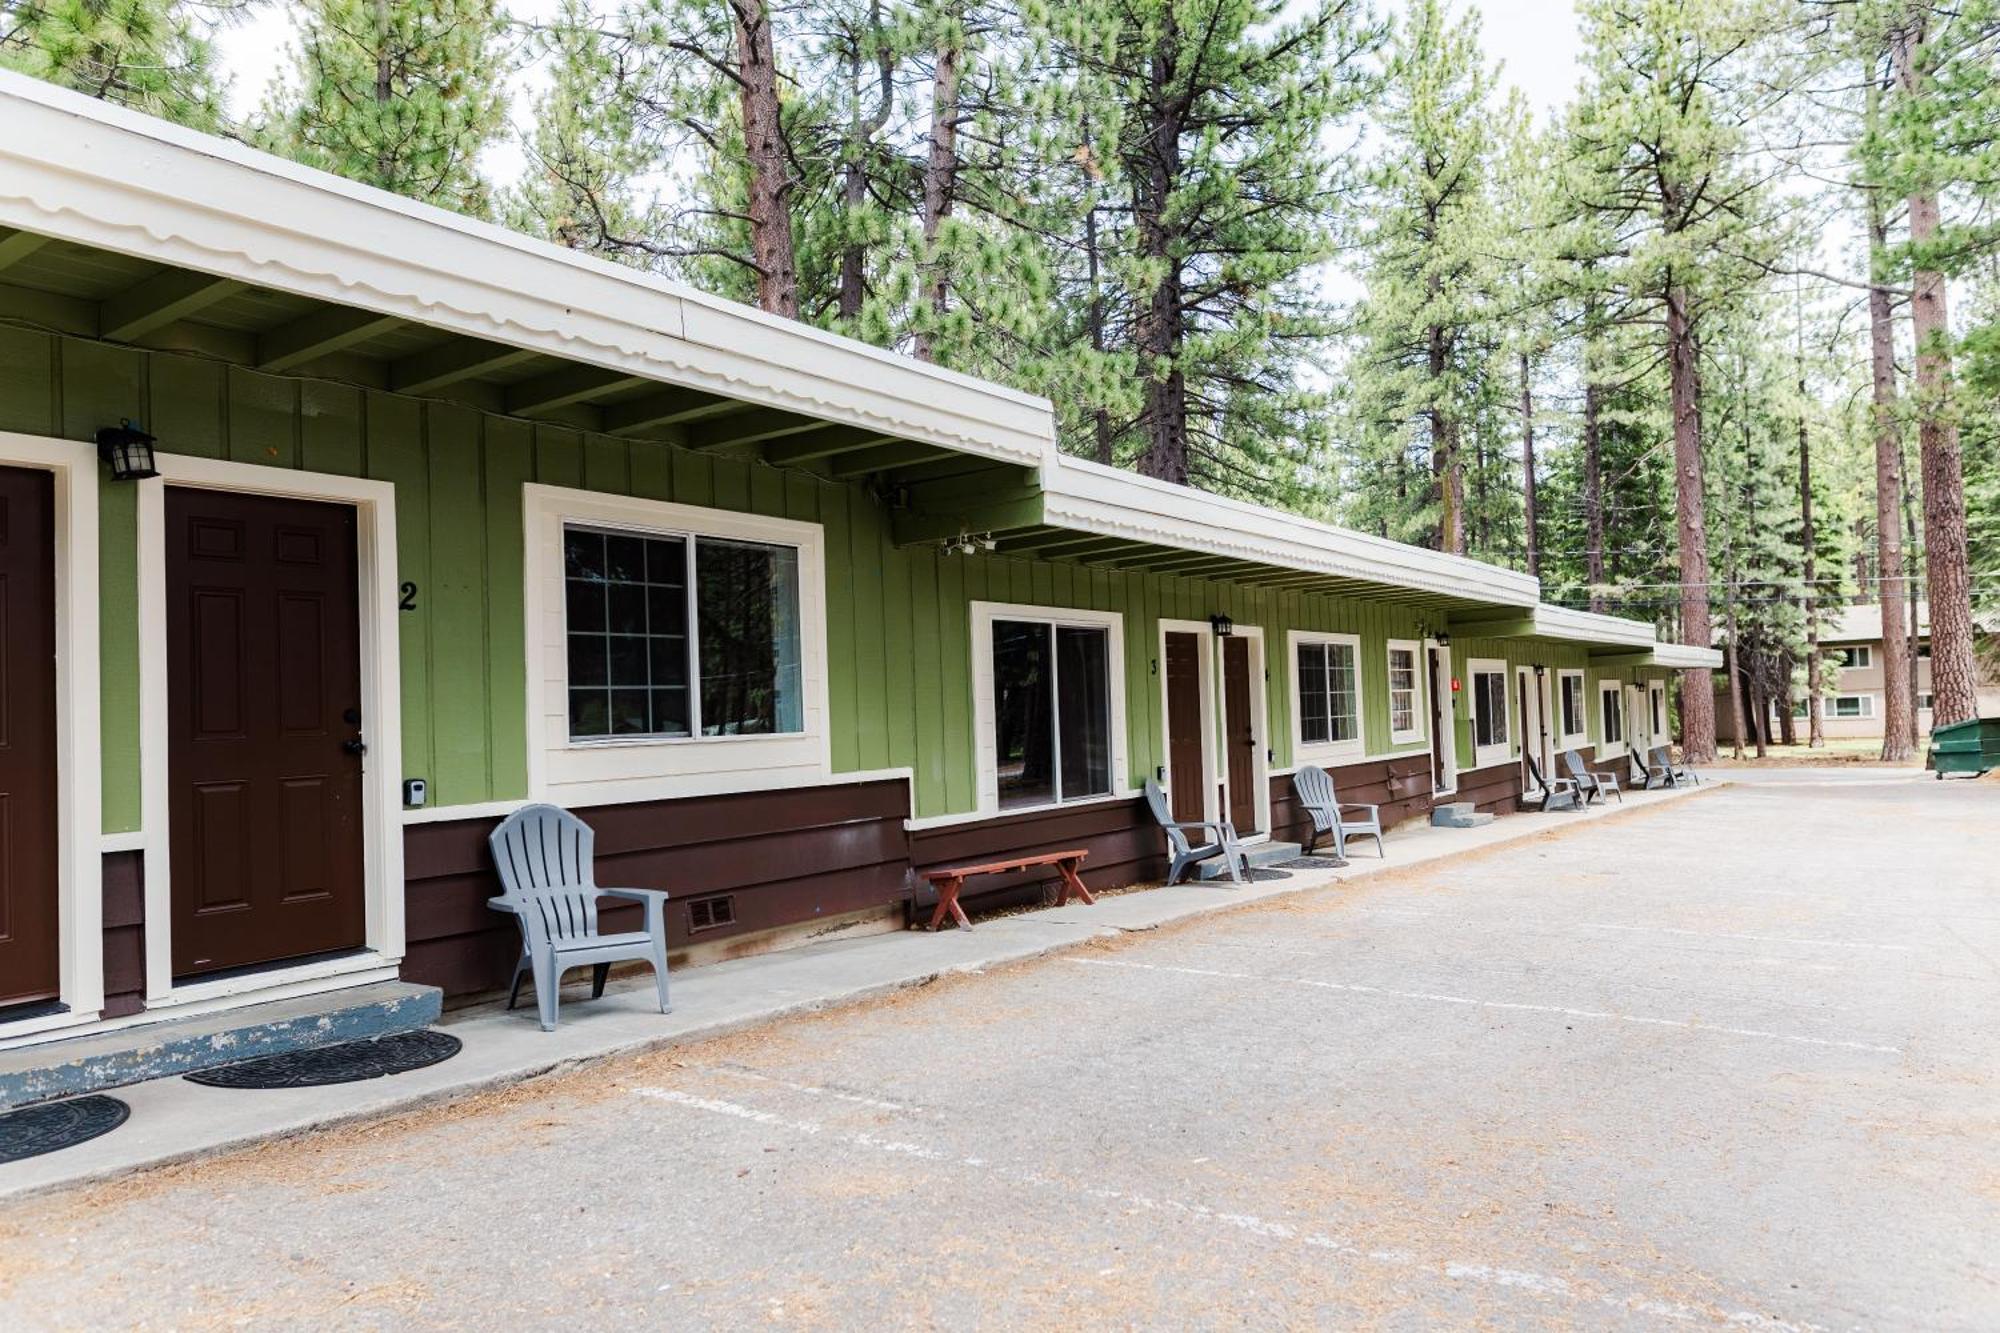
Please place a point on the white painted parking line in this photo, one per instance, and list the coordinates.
(1755, 939)
(1444, 1272)
(1466, 1001)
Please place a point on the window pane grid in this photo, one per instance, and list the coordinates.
(633, 635)
(1402, 690)
(1329, 700)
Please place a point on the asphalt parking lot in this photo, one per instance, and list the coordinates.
(1734, 1060)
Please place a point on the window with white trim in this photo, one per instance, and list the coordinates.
(1051, 712)
(1048, 705)
(1856, 656)
(1489, 712)
(1925, 701)
(1611, 713)
(1406, 720)
(1569, 706)
(1328, 686)
(673, 650)
(1852, 706)
(674, 635)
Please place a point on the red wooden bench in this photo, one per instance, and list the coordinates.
(949, 880)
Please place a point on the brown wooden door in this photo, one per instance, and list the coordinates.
(1239, 735)
(264, 697)
(30, 970)
(1440, 719)
(1186, 767)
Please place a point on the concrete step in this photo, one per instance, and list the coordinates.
(1458, 814)
(1259, 854)
(66, 1067)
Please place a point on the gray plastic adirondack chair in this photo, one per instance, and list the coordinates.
(1557, 793)
(1593, 785)
(546, 861)
(1314, 787)
(1676, 773)
(1183, 853)
(1645, 777)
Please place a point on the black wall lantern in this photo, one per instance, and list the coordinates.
(1444, 638)
(1222, 625)
(127, 451)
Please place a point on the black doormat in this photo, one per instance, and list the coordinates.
(34, 1130)
(1313, 861)
(1264, 874)
(348, 1062)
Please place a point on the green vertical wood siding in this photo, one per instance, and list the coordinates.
(898, 620)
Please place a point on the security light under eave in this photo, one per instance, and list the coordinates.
(127, 451)
(1222, 625)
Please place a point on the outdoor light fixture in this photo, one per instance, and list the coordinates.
(1444, 638)
(970, 544)
(127, 451)
(1222, 625)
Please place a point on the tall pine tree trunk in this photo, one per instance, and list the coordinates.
(769, 205)
(1529, 515)
(1735, 674)
(940, 184)
(1898, 724)
(1593, 466)
(1100, 424)
(1162, 326)
(1691, 509)
(1815, 732)
(861, 131)
(1445, 464)
(1954, 677)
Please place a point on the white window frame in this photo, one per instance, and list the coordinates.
(1864, 657)
(1926, 701)
(1418, 700)
(1319, 752)
(1867, 713)
(614, 769)
(79, 758)
(986, 755)
(1567, 739)
(1484, 756)
(1610, 704)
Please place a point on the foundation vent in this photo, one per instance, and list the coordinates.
(708, 913)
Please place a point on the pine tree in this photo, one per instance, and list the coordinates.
(154, 56)
(404, 97)
(585, 153)
(1668, 80)
(1427, 323)
(1215, 116)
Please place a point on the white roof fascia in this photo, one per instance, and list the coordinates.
(1089, 497)
(100, 175)
(1561, 622)
(1686, 657)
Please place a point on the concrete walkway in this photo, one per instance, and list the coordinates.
(173, 1120)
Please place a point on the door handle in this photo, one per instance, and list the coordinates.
(356, 747)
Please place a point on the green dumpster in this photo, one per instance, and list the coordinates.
(1971, 747)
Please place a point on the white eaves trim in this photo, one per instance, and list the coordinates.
(1686, 657)
(1111, 502)
(1560, 622)
(86, 171)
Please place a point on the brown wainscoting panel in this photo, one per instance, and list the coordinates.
(124, 933)
(1401, 785)
(1495, 790)
(1125, 846)
(788, 857)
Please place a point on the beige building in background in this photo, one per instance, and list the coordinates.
(1853, 706)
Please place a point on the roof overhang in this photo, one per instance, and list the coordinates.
(1111, 503)
(1670, 656)
(1562, 624)
(99, 175)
